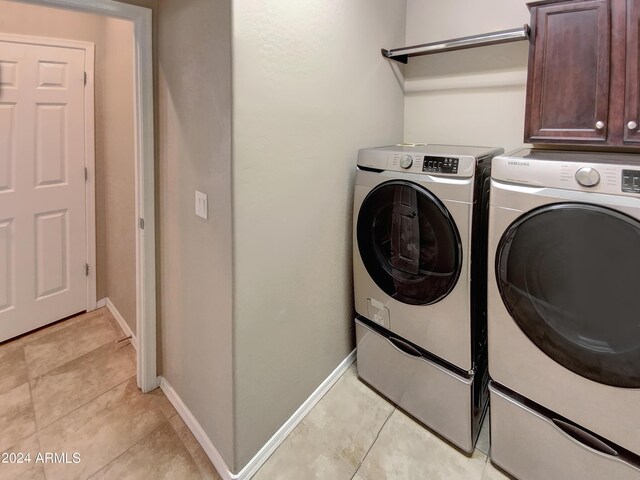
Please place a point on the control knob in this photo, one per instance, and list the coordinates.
(588, 177)
(406, 161)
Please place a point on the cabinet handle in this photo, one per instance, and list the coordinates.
(599, 125)
(632, 125)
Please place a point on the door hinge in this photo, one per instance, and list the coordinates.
(86, 174)
(87, 269)
(141, 223)
(85, 78)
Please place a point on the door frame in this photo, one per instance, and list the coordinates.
(141, 17)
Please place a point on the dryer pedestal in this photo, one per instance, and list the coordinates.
(532, 443)
(448, 402)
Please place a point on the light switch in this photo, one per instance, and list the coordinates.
(202, 209)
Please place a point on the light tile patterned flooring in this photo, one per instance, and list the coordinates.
(353, 433)
(68, 388)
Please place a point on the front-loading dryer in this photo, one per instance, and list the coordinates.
(420, 291)
(564, 315)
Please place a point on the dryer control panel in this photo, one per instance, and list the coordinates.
(631, 181)
(440, 164)
(608, 173)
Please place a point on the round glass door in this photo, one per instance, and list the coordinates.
(569, 274)
(409, 243)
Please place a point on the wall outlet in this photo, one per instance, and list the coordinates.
(202, 209)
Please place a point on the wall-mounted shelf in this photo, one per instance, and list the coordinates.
(503, 36)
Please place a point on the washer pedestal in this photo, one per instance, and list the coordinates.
(449, 403)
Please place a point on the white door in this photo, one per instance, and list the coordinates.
(43, 246)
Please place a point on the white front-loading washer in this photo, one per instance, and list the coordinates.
(418, 239)
(564, 315)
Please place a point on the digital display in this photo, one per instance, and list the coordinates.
(440, 165)
(631, 181)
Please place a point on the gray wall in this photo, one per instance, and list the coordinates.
(310, 89)
(468, 97)
(194, 255)
(115, 142)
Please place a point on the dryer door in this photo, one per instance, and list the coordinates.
(409, 243)
(569, 275)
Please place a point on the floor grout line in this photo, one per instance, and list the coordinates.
(69, 361)
(31, 380)
(122, 453)
(44, 470)
(373, 443)
(33, 406)
(162, 425)
(84, 404)
(23, 338)
(191, 454)
(166, 422)
(74, 359)
(484, 470)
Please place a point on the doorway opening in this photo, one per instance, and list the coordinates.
(57, 221)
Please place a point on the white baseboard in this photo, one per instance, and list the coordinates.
(191, 422)
(272, 444)
(106, 302)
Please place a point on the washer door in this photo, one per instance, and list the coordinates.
(569, 275)
(409, 243)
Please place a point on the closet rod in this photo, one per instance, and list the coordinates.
(493, 38)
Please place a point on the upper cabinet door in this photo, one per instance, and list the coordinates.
(569, 70)
(632, 98)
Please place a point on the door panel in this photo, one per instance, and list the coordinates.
(7, 156)
(8, 73)
(569, 72)
(6, 265)
(632, 96)
(52, 74)
(51, 149)
(52, 253)
(43, 248)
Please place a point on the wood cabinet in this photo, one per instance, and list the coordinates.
(582, 86)
(632, 76)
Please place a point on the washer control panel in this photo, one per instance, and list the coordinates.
(631, 181)
(440, 165)
(435, 161)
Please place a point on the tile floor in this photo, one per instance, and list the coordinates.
(68, 388)
(352, 433)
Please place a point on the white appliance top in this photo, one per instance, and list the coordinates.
(610, 173)
(438, 160)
